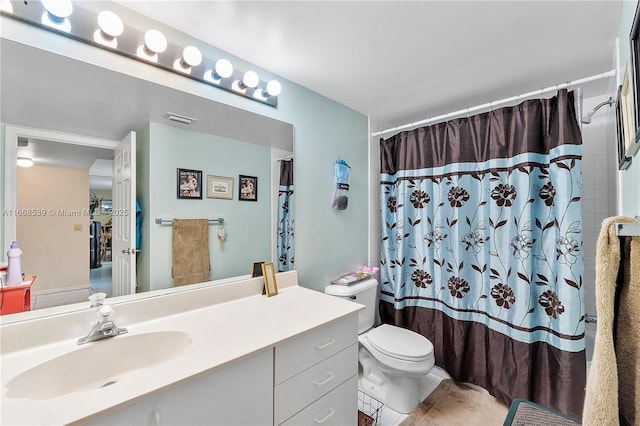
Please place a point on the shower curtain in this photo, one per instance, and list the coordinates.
(286, 246)
(482, 248)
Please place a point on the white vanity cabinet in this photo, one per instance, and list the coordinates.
(238, 394)
(316, 376)
(253, 360)
(310, 379)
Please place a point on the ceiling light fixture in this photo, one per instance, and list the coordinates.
(111, 26)
(154, 42)
(191, 57)
(24, 162)
(181, 118)
(56, 14)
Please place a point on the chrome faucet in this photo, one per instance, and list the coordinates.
(104, 328)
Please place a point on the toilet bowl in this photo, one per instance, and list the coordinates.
(391, 359)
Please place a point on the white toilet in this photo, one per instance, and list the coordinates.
(391, 358)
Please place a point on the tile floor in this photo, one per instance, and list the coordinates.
(389, 417)
(99, 281)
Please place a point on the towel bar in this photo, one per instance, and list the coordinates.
(627, 229)
(159, 221)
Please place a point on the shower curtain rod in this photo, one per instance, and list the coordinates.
(285, 158)
(609, 73)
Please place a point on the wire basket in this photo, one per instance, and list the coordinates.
(369, 410)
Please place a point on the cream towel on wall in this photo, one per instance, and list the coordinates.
(613, 384)
(190, 251)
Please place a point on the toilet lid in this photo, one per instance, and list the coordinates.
(400, 343)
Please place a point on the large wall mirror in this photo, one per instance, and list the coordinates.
(41, 90)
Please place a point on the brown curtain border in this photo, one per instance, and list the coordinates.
(472, 352)
(438, 145)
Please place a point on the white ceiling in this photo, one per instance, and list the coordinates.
(395, 61)
(401, 61)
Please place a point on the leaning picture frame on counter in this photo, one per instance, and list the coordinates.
(256, 268)
(269, 276)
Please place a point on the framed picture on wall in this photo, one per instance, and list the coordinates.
(248, 188)
(634, 40)
(189, 184)
(219, 187)
(623, 160)
(628, 108)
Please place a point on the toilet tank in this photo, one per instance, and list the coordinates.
(363, 292)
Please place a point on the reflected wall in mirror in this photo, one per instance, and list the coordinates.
(98, 104)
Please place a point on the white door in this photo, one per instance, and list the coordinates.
(123, 240)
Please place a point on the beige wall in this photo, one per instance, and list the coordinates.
(55, 238)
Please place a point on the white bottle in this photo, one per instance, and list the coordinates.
(14, 268)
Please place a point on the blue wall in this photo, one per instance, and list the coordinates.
(163, 149)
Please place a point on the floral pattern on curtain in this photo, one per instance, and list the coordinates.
(285, 244)
(482, 248)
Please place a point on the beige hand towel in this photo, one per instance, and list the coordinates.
(613, 384)
(190, 251)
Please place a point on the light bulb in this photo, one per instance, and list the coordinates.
(110, 23)
(111, 27)
(155, 41)
(5, 5)
(273, 88)
(56, 13)
(24, 162)
(58, 9)
(250, 79)
(224, 69)
(192, 56)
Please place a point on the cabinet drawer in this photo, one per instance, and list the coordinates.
(302, 352)
(337, 408)
(302, 389)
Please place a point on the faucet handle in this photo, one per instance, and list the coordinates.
(105, 313)
(97, 299)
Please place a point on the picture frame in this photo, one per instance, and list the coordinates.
(623, 161)
(189, 184)
(269, 276)
(634, 41)
(628, 108)
(247, 188)
(256, 269)
(219, 187)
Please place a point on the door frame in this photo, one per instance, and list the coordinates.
(11, 134)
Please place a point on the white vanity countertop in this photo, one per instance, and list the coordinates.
(221, 334)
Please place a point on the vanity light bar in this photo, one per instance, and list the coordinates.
(151, 46)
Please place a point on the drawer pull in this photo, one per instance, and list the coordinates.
(325, 418)
(325, 381)
(326, 345)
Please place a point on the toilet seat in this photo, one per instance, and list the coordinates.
(400, 343)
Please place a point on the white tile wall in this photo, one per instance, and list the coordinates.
(599, 169)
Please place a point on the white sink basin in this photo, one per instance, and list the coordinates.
(97, 365)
